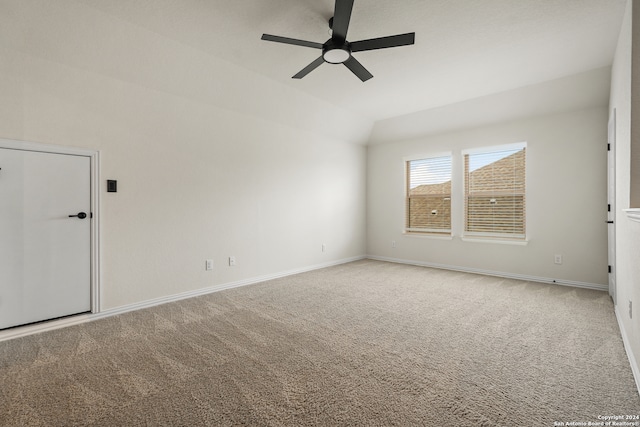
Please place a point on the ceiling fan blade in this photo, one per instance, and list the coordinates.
(383, 42)
(287, 40)
(341, 18)
(309, 68)
(357, 69)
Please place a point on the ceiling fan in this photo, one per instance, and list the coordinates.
(337, 50)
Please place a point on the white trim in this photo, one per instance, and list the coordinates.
(428, 156)
(94, 159)
(423, 235)
(26, 330)
(586, 285)
(633, 214)
(429, 230)
(491, 239)
(45, 148)
(627, 348)
(96, 290)
(498, 148)
(611, 200)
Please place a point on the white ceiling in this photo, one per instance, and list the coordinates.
(474, 61)
(464, 49)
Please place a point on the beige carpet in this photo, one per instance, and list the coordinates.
(362, 344)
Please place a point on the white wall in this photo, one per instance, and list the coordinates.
(566, 199)
(575, 92)
(211, 160)
(627, 231)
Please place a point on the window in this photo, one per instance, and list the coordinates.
(428, 203)
(494, 191)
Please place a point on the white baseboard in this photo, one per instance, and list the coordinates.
(22, 331)
(222, 287)
(563, 282)
(82, 318)
(627, 347)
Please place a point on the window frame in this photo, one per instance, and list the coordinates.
(493, 236)
(427, 232)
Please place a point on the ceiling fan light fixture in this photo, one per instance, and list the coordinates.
(336, 56)
(337, 50)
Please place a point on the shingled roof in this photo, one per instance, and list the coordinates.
(500, 171)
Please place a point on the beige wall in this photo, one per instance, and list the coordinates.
(236, 176)
(566, 199)
(627, 231)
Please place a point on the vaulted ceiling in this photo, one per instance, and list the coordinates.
(464, 48)
(211, 51)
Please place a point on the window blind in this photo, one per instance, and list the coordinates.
(428, 201)
(495, 192)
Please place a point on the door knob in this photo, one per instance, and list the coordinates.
(80, 215)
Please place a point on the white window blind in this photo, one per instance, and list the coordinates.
(428, 201)
(494, 184)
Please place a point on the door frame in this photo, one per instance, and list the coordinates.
(611, 200)
(94, 157)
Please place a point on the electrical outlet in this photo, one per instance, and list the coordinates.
(209, 265)
(232, 261)
(630, 310)
(393, 243)
(324, 247)
(557, 259)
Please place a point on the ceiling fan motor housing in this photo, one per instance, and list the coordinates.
(336, 53)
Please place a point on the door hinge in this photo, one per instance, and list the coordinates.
(609, 207)
(609, 268)
(608, 147)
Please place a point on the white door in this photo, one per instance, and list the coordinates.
(611, 196)
(45, 254)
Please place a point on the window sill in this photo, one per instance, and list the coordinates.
(633, 214)
(428, 236)
(523, 242)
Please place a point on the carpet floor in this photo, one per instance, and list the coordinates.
(367, 343)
